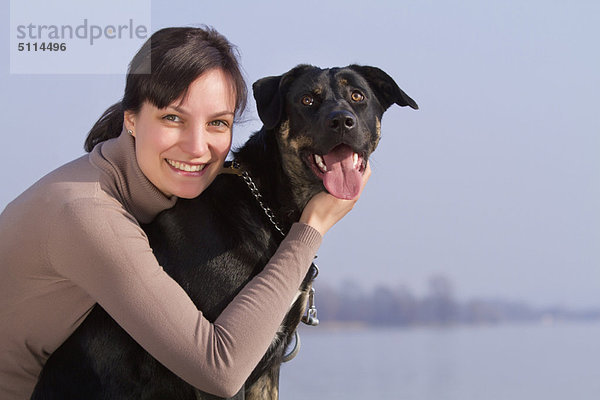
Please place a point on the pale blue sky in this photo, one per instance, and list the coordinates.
(494, 182)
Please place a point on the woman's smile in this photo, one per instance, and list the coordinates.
(180, 166)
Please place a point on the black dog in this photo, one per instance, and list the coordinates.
(320, 127)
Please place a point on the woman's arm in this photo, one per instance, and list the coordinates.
(103, 250)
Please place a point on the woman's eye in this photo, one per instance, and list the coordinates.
(307, 100)
(357, 96)
(172, 118)
(219, 123)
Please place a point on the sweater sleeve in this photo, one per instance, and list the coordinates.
(102, 249)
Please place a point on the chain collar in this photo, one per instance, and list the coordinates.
(310, 318)
(235, 166)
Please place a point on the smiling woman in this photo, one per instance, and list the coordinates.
(182, 148)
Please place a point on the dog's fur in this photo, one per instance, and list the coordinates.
(235, 239)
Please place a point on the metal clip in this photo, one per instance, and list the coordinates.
(311, 314)
(289, 356)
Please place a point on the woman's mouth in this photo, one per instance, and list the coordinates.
(185, 167)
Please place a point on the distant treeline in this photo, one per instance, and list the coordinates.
(398, 306)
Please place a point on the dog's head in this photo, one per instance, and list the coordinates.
(327, 123)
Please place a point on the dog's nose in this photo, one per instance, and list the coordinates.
(341, 121)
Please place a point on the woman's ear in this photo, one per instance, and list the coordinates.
(129, 122)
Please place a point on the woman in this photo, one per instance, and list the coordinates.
(73, 239)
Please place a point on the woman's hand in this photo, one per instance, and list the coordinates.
(323, 210)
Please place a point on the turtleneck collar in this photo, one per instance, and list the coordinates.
(138, 195)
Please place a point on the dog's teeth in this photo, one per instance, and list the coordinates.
(355, 159)
(320, 163)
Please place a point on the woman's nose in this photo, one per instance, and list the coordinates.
(195, 142)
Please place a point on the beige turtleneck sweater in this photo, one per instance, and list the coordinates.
(73, 239)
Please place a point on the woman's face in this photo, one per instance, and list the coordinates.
(181, 148)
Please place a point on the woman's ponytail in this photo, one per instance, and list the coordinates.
(108, 126)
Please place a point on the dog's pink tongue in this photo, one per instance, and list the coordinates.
(342, 180)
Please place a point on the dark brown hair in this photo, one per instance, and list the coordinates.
(163, 69)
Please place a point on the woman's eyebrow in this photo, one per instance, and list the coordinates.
(182, 110)
(222, 114)
(179, 109)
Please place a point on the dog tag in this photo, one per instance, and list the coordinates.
(311, 314)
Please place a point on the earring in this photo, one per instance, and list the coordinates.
(130, 131)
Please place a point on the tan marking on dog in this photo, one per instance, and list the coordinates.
(298, 175)
(293, 164)
(373, 145)
(298, 143)
(343, 82)
(265, 388)
(284, 129)
(318, 91)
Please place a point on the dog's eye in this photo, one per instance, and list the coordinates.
(357, 96)
(307, 100)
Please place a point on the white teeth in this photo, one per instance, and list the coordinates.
(186, 167)
(320, 163)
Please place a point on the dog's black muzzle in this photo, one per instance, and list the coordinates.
(341, 126)
(341, 122)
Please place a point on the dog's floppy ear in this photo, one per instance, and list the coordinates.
(268, 100)
(269, 94)
(386, 90)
